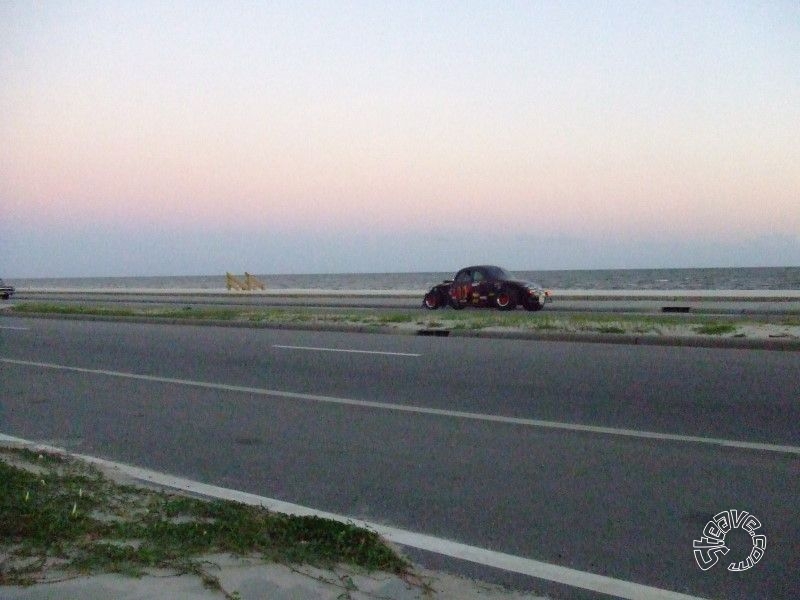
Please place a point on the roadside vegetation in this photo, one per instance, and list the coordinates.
(715, 329)
(60, 517)
(466, 320)
(111, 311)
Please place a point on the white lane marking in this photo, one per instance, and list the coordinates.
(421, 410)
(311, 348)
(14, 328)
(507, 562)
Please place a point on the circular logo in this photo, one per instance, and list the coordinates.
(708, 548)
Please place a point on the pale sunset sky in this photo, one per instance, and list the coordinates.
(172, 138)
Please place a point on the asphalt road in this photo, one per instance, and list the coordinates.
(608, 499)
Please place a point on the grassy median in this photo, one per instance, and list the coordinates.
(467, 320)
(61, 515)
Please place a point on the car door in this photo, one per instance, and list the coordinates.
(480, 287)
(461, 290)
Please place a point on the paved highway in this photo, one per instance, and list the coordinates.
(541, 450)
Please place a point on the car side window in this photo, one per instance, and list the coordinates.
(477, 276)
(463, 277)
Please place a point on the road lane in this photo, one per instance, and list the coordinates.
(422, 410)
(509, 565)
(616, 507)
(627, 508)
(743, 395)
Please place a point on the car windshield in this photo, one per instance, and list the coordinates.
(498, 273)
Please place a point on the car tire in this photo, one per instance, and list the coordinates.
(506, 299)
(432, 300)
(532, 304)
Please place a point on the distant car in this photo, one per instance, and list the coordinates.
(6, 291)
(486, 286)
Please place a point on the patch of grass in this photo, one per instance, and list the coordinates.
(213, 314)
(601, 325)
(431, 323)
(546, 324)
(609, 329)
(70, 309)
(450, 319)
(715, 328)
(55, 509)
(473, 319)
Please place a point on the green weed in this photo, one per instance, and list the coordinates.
(455, 320)
(57, 508)
(68, 309)
(609, 329)
(715, 328)
(212, 314)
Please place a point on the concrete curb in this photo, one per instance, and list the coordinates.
(772, 344)
(641, 340)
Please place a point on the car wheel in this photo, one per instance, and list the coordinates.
(532, 304)
(505, 299)
(432, 301)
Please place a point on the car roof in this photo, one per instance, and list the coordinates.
(481, 267)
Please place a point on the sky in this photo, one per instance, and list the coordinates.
(152, 138)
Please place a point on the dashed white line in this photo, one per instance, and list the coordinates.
(346, 350)
(507, 562)
(421, 410)
(13, 328)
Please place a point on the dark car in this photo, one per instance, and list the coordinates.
(486, 286)
(6, 291)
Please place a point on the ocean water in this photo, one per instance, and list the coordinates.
(757, 278)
